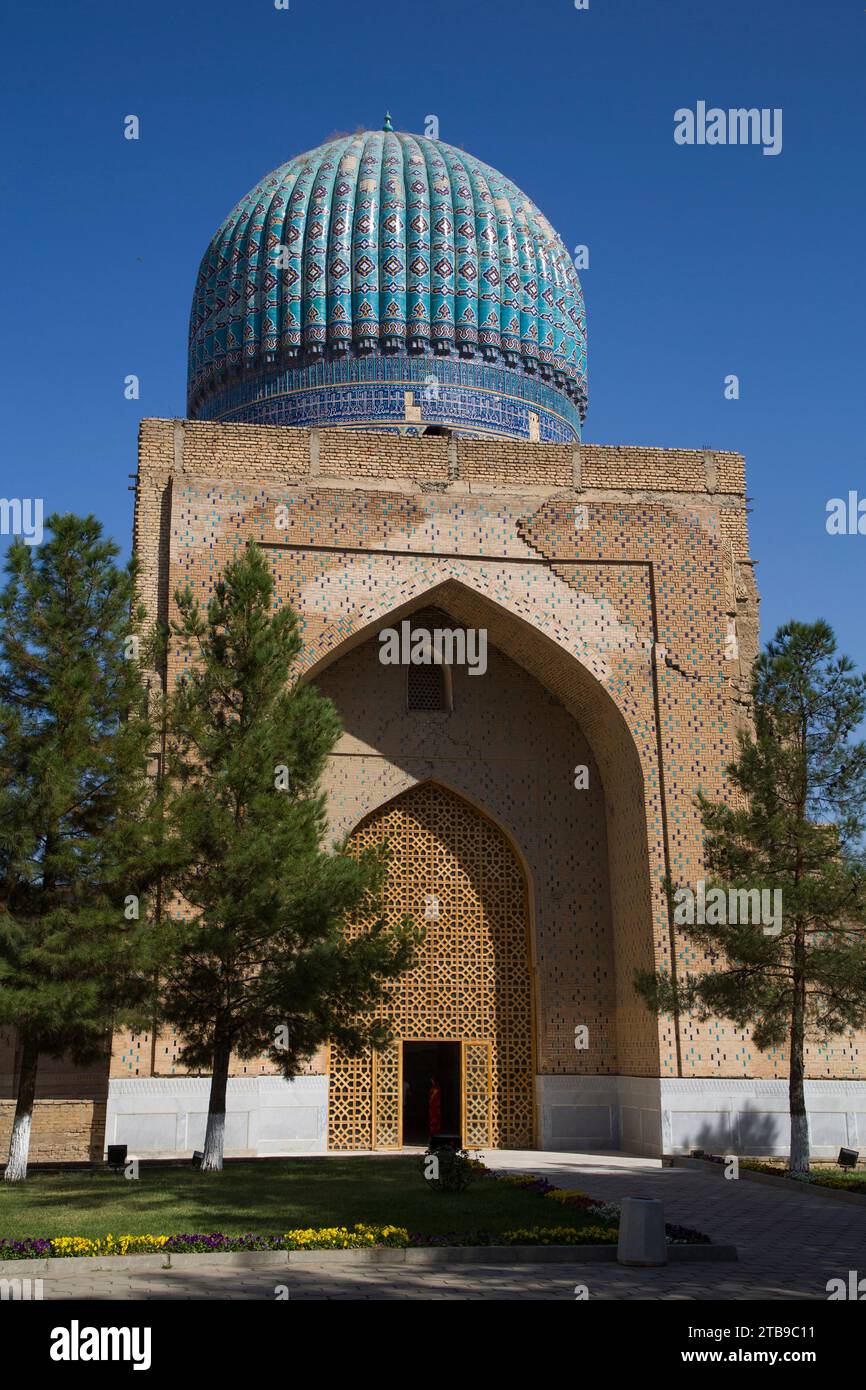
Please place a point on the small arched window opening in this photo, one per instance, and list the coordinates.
(427, 688)
(428, 682)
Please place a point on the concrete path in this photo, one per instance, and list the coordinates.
(790, 1246)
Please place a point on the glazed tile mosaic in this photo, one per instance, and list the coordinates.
(389, 280)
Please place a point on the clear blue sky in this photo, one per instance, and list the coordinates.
(703, 261)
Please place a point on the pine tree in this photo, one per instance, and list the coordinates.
(263, 963)
(75, 853)
(795, 826)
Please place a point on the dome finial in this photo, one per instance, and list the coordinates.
(387, 125)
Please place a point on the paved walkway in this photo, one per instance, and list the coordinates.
(790, 1246)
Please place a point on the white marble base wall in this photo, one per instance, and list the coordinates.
(161, 1117)
(653, 1116)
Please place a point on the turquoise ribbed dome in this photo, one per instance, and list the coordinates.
(384, 268)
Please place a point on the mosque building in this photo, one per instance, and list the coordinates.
(387, 392)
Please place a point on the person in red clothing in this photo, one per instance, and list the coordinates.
(434, 1107)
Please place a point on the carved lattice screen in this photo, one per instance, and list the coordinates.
(455, 871)
(476, 1094)
(387, 1079)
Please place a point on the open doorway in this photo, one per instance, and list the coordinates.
(426, 1063)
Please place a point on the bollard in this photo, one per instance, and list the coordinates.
(642, 1232)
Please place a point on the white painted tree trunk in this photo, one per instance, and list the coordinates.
(214, 1142)
(800, 1155)
(800, 1149)
(19, 1148)
(19, 1145)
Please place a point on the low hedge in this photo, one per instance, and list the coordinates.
(816, 1176)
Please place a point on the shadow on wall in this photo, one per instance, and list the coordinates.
(744, 1130)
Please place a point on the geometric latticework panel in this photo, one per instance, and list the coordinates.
(453, 870)
(477, 1095)
(387, 1080)
(350, 1100)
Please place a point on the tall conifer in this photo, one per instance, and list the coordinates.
(263, 963)
(796, 828)
(76, 856)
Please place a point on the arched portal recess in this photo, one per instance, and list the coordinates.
(621, 733)
(456, 872)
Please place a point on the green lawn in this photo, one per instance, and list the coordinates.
(266, 1198)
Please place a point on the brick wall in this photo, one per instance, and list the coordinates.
(69, 1112)
(379, 524)
(67, 1131)
(376, 522)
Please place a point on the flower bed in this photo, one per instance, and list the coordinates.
(360, 1237)
(600, 1226)
(563, 1235)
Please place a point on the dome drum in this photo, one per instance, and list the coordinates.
(408, 394)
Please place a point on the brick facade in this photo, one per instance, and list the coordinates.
(610, 581)
(69, 1111)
